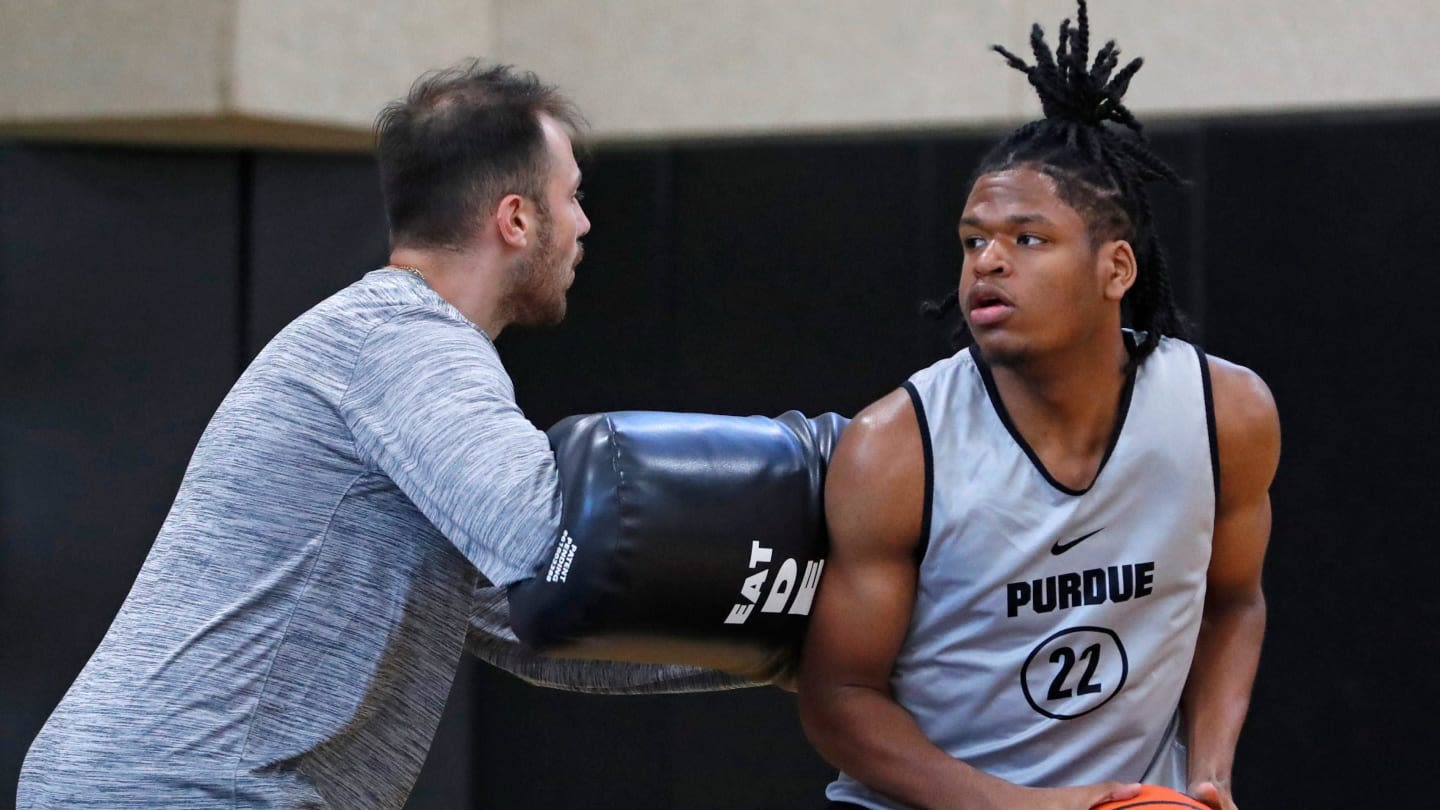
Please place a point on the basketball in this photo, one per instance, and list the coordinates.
(1154, 797)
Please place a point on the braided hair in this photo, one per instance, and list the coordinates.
(1095, 151)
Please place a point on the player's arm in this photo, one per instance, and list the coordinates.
(874, 499)
(1217, 695)
(874, 502)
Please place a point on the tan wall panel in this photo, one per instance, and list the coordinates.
(1209, 56)
(266, 72)
(270, 73)
(660, 67)
(338, 61)
(88, 58)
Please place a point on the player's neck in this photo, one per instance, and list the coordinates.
(1065, 405)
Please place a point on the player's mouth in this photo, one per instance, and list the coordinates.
(986, 305)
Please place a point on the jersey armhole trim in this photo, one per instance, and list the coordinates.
(924, 543)
(1210, 420)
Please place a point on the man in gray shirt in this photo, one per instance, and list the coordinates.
(358, 503)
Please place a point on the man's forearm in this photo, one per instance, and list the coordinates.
(1217, 694)
(870, 737)
(600, 677)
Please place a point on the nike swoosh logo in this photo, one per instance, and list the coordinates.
(1061, 548)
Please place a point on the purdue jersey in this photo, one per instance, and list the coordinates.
(1053, 628)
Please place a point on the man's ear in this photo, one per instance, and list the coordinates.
(515, 220)
(1118, 268)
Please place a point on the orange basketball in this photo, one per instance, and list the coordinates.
(1154, 797)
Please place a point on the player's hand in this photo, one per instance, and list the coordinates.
(1088, 796)
(1082, 797)
(1214, 794)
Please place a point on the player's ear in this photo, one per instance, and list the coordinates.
(1117, 268)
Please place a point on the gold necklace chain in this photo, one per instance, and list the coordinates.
(414, 271)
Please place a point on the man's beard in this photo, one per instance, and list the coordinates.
(537, 292)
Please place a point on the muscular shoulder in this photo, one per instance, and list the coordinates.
(875, 489)
(1247, 427)
(1245, 411)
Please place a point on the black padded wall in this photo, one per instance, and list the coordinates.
(117, 340)
(791, 264)
(1320, 248)
(313, 225)
(739, 278)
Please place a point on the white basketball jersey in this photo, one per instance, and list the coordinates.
(1053, 629)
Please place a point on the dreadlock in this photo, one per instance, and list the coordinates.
(1099, 169)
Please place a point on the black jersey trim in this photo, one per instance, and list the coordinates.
(1210, 420)
(994, 393)
(924, 545)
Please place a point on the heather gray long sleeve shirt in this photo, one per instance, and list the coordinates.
(346, 525)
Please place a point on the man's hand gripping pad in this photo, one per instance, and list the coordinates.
(688, 538)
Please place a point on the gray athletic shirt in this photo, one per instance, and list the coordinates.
(343, 532)
(1053, 628)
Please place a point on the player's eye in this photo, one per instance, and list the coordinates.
(1029, 240)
